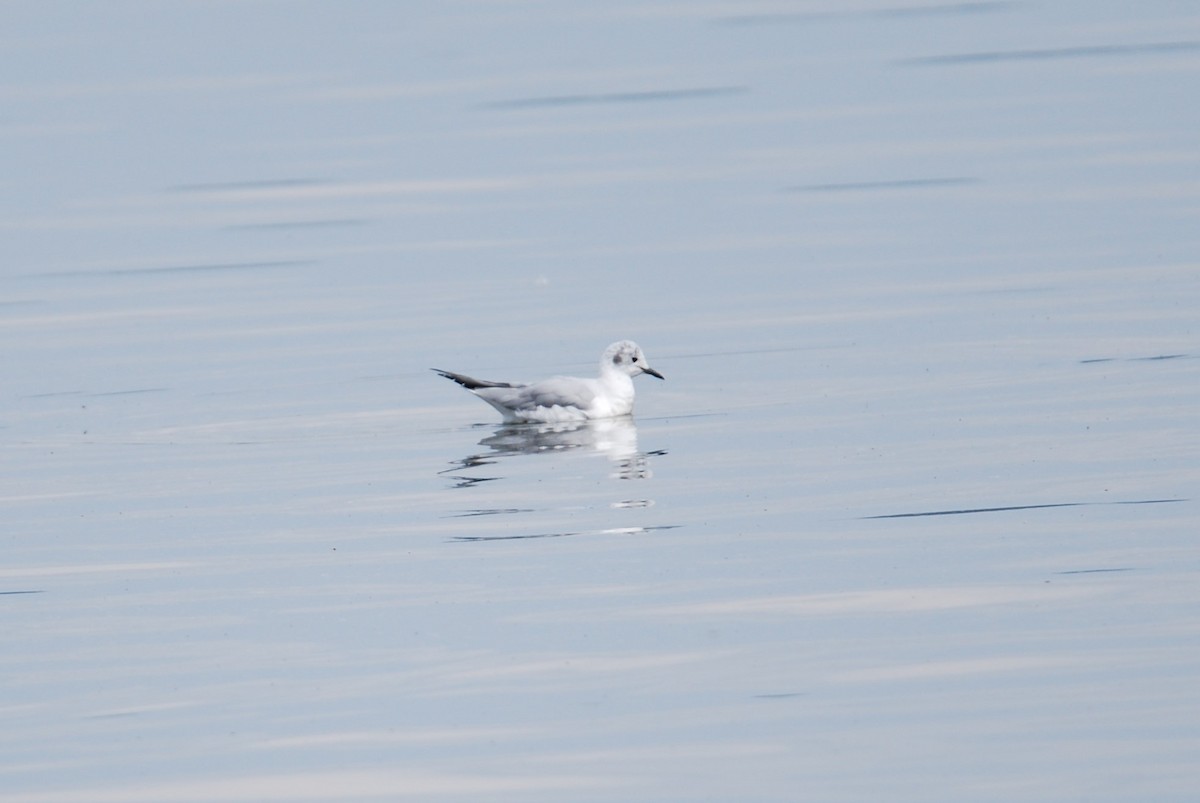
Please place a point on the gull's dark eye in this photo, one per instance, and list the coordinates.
(635, 359)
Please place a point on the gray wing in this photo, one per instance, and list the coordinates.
(561, 391)
(471, 383)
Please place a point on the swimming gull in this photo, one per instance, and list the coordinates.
(567, 398)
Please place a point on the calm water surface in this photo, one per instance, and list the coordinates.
(912, 518)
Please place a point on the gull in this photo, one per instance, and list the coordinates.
(567, 398)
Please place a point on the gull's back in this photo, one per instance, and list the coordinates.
(561, 398)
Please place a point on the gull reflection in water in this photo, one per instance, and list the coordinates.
(615, 438)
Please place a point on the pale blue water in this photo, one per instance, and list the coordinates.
(912, 517)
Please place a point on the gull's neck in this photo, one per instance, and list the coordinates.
(617, 387)
(610, 374)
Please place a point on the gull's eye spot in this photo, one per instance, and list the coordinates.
(635, 359)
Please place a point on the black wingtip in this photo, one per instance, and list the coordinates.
(453, 377)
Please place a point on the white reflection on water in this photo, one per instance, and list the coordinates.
(614, 438)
